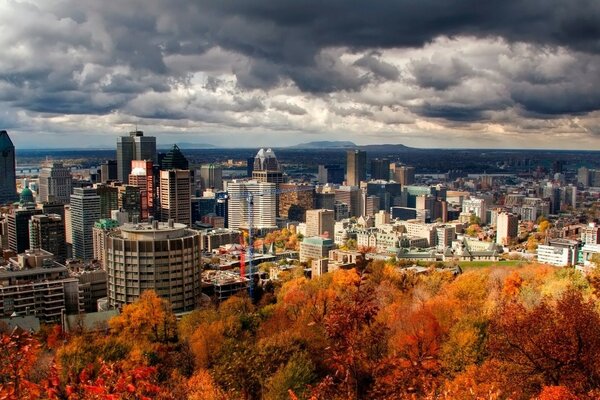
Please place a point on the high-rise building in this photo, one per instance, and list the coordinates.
(175, 196)
(320, 223)
(404, 175)
(47, 232)
(174, 159)
(263, 204)
(18, 227)
(476, 207)
(109, 198)
(172, 264)
(350, 195)
(380, 169)
(507, 228)
(325, 201)
(131, 200)
(136, 146)
(211, 176)
(142, 176)
(388, 193)
(267, 168)
(356, 167)
(99, 233)
(55, 183)
(331, 173)
(85, 211)
(8, 180)
(294, 200)
(108, 171)
(222, 207)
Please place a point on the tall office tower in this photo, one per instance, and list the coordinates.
(369, 204)
(583, 177)
(136, 146)
(294, 200)
(56, 183)
(380, 169)
(330, 173)
(8, 180)
(109, 199)
(108, 171)
(143, 177)
(172, 264)
(174, 160)
(85, 211)
(320, 222)
(507, 228)
(18, 227)
(350, 195)
(263, 206)
(356, 167)
(175, 196)
(404, 175)
(249, 166)
(222, 207)
(388, 192)
(47, 232)
(211, 176)
(267, 168)
(131, 199)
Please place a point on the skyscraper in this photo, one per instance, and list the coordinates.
(47, 232)
(356, 167)
(404, 175)
(380, 169)
(295, 199)
(174, 159)
(55, 184)
(85, 211)
(507, 228)
(263, 208)
(175, 196)
(18, 227)
(108, 171)
(267, 168)
(211, 176)
(8, 181)
(136, 146)
(330, 173)
(142, 176)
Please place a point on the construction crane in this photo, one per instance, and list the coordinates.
(249, 255)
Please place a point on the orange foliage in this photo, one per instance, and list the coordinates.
(18, 353)
(557, 393)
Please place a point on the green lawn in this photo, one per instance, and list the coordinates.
(465, 265)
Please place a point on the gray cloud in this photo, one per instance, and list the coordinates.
(216, 62)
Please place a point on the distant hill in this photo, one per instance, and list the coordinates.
(324, 144)
(386, 147)
(187, 145)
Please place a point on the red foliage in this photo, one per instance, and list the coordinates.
(18, 353)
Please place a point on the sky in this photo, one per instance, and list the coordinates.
(240, 73)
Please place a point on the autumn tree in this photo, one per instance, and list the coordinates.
(149, 318)
(18, 353)
(554, 344)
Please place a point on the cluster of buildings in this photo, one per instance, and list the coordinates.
(153, 221)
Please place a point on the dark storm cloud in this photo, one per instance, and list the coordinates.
(441, 74)
(378, 67)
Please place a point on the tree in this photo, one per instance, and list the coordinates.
(18, 353)
(551, 344)
(149, 318)
(295, 376)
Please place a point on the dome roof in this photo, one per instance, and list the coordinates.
(26, 195)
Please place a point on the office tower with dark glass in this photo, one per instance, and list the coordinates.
(55, 184)
(356, 167)
(47, 232)
(136, 146)
(380, 169)
(8, 181)
(174, 159)
(85, 211)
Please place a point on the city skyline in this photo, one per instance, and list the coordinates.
(239, 74)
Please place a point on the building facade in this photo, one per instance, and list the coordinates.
(356, 167)
(164, 257)
(8, 180)
(136, 146)
(85, 211)
(55, 183)
(175, 196)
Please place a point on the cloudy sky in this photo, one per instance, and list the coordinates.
(427, 73)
